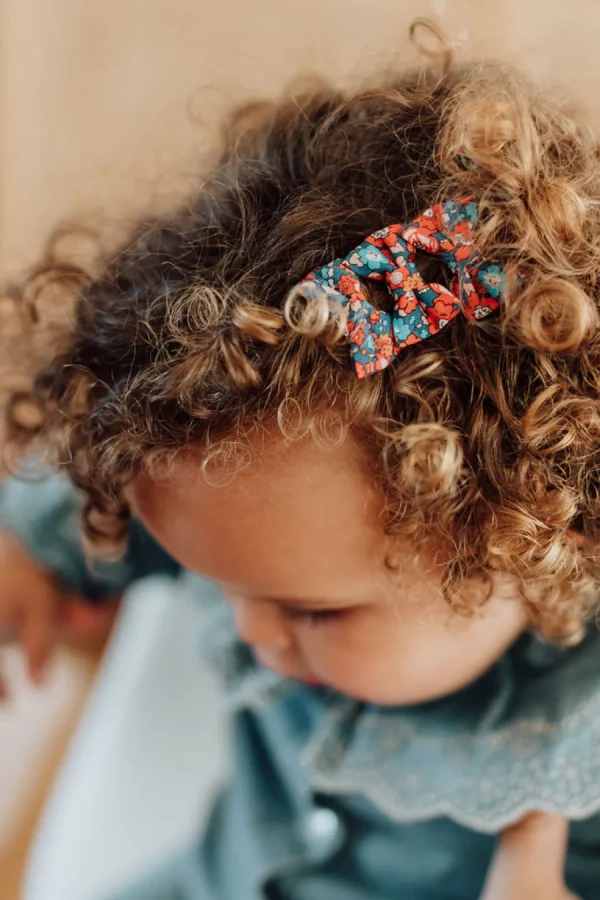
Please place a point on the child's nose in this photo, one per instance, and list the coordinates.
(261, 624)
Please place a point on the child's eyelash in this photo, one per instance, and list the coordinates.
(314, 616)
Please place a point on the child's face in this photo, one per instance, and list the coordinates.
(296, 543)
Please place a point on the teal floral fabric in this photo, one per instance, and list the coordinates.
(420, 310)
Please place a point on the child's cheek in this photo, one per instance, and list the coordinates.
(332, 647)
(319, 640)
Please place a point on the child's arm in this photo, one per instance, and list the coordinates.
(530, 861)
(43, 568)
(30, 599)
(44, 517)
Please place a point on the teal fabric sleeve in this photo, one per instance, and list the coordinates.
(44, 516)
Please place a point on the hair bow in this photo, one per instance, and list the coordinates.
(420, 310)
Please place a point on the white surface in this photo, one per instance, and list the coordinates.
(146, 759)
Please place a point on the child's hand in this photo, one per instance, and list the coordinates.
(530, 861)
(29, 597)
(35, 611)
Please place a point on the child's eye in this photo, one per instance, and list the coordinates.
(314, 616)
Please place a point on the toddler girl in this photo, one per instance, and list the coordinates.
(354, 383)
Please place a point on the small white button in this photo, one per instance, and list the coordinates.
(325, 831)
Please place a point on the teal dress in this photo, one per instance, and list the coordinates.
(333, 799)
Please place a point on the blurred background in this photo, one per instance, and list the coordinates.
(108, 107)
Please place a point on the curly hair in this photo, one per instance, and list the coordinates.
(485, 437)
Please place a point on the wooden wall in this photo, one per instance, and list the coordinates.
(95, 95)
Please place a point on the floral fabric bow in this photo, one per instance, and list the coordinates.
(421, 310)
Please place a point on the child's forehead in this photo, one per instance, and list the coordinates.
(275, 524)
(304, 477)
